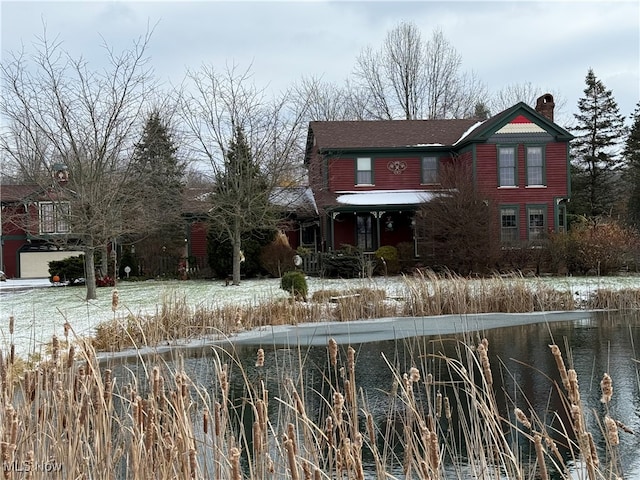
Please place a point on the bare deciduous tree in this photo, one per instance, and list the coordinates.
(455, 228)
(528, 93)
(58, 111)
(410, 78)
(251, 143)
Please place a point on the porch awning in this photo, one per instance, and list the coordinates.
(386, 197)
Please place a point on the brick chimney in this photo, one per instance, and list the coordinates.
(545, 105)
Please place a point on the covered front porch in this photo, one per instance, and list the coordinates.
(371, 219)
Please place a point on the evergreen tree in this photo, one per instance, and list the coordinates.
(158, 179)
(598, 132)
(632, 174)
(241, 200)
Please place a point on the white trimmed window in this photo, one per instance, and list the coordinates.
(54, 217)
(429, 170)
(364, 171)
(535, 166)
(506, 166)
(535, 215)
(509, 225)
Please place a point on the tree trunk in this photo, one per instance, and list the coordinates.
(90, 272)
(237, 253)
(104, 261)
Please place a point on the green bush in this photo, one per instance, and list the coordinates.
(295, 283)
(387, 260)
(69, 269)
(341, 265)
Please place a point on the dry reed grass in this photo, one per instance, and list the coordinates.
(425, 294)
(73, 418)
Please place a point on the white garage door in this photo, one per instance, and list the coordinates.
(36, 264)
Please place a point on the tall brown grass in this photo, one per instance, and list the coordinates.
(74, 418)
(425, 294)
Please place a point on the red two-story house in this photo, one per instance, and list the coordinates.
(370, 177)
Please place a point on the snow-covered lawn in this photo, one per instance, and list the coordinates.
(41, 312)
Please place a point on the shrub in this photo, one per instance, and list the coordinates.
(69, 269)
(348, 262)
(277, 257)
(295, 283)
(600, 249)
(387, 260)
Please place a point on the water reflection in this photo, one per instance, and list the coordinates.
(525, 375)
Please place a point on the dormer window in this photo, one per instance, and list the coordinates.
(364, 171)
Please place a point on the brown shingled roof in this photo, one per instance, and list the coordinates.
(16, 193)
(388, 133)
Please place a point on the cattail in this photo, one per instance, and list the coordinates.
(557, 354)
(291, 433)
(348, 391)
(12, 354)
(115, 299)
(537, 440)
(205, 422)
(156, 382)
(484, 361)
(108, 386)
(70, 356)
(593, 450)
(29, 464)
(55, 348)
(193, 466)
(576, 415)
(333, 352)
(234, 455)
(612, 431)
(67, 329)
(438, 404)
(11, 324)
(447, 408)
(573, 390)
(370, 429)
(522, 418)
(606, 385)
(328, 430)
(429, 380)
(434, 450)
(351, 361)
(414, 375)
(260, 358)
(217, 419)
(291, 457)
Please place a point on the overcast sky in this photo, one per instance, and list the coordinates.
(551, 44)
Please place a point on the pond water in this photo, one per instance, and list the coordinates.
(525, 375)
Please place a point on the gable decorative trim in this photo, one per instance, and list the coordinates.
(396, 166)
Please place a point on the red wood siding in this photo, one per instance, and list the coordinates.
(342, 174)
(198, 239)
(344, 230)
(556, 172)
(555, 175)
(10, 257)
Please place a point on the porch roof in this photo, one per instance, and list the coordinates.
(385, 198)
